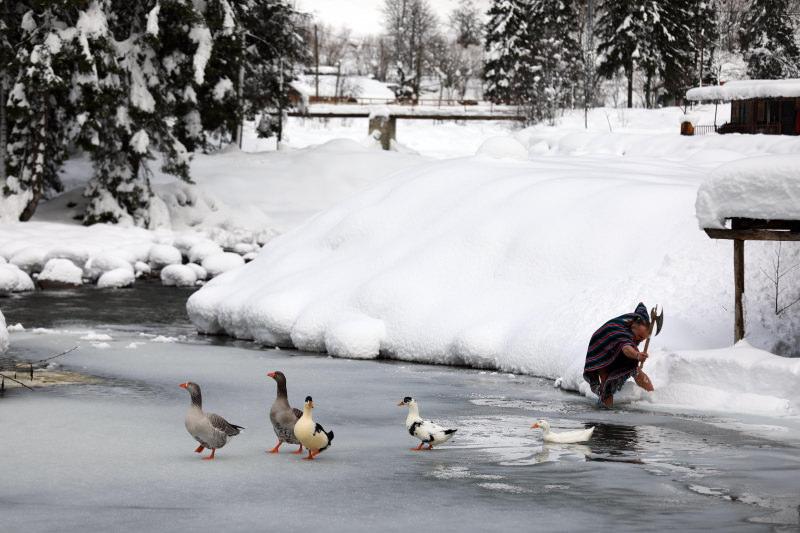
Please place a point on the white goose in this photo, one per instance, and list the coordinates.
(425, 430)
(565, 437)
(310, 434)
(210, 430)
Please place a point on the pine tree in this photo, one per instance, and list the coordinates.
(37, 111)
(768, 41)
(556, 62)
(508, 51)
(704, 27)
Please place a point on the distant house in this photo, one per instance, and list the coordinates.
(336, 88)
(757, 106)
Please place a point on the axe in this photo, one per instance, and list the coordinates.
(657, 322)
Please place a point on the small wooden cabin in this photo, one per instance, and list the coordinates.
(757, 106)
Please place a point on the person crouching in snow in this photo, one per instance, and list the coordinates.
(613, 355)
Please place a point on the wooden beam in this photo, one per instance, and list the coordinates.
(738, 280)
(755, 223)
(752, 234)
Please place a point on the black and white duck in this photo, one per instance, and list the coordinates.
(310, 434)
(210, 430)
(282, 415)
(425, 430)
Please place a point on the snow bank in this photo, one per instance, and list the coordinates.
(759, 187)
(62, 271)
(116, 279)
(506, 264)
(503, 147)
(744, 89)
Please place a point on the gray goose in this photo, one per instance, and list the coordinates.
(210, 430)
(282, 415)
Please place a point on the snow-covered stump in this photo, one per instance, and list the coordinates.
(383, 128)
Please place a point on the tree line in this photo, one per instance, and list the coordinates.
(131, 84)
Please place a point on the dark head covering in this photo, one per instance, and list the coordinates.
(641, 312)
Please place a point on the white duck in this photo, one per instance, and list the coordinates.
(210, 430)
(310, 434)
(425, 430)
(565, 437)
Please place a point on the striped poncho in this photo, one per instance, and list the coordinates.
(605, 354)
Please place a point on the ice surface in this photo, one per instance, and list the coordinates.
(759, 187)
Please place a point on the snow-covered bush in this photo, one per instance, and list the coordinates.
(178, 276)
(61, 271)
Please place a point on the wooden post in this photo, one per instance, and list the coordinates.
(738, 277)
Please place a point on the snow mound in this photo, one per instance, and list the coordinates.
(104, 262)
(30, 259)
(218, 263)
(758, 187)
(341, 146)
(3, 334)
(12, 279)
(178, 276)
(116, 278)
(199, 271)
(162, 255)
(62, 271)
(745, 89)
(357, 337)
(203, 249)
(503, 147)
(77, 255)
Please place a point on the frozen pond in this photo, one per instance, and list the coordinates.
(114, 456)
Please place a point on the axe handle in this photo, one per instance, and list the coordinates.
(647, 343)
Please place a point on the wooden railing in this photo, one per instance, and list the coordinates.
(705, 130)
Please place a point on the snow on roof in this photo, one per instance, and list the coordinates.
(355, 86)
(744, 89)
(766, 187)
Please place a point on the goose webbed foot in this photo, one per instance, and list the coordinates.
(298, 452)
(199, 449)
(275, 449)
(210, 457)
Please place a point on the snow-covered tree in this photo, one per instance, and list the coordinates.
(508, 50)
(411, 28)
(465, 21)
(768, 40)
(555, 65)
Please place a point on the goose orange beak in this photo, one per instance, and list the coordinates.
(183, 385)
(535, 426)
(271, 374)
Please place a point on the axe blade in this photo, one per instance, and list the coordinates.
(657, 318)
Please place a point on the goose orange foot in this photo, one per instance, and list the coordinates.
(298, 452)
(210, 457)
(275, 449)
(199, 449)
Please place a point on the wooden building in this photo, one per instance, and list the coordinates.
(757, 106)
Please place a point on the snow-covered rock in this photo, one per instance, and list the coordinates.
(141, 268)
(103, 262)
(218, 263)
(178, 276)
(116, 278)
(12, 279)
(162, 255)
(503, 147)
(759, 187)
(199, 271)
(61, 271)
(29, 259)
(77, 254)
(203, 249)
(3, 334)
